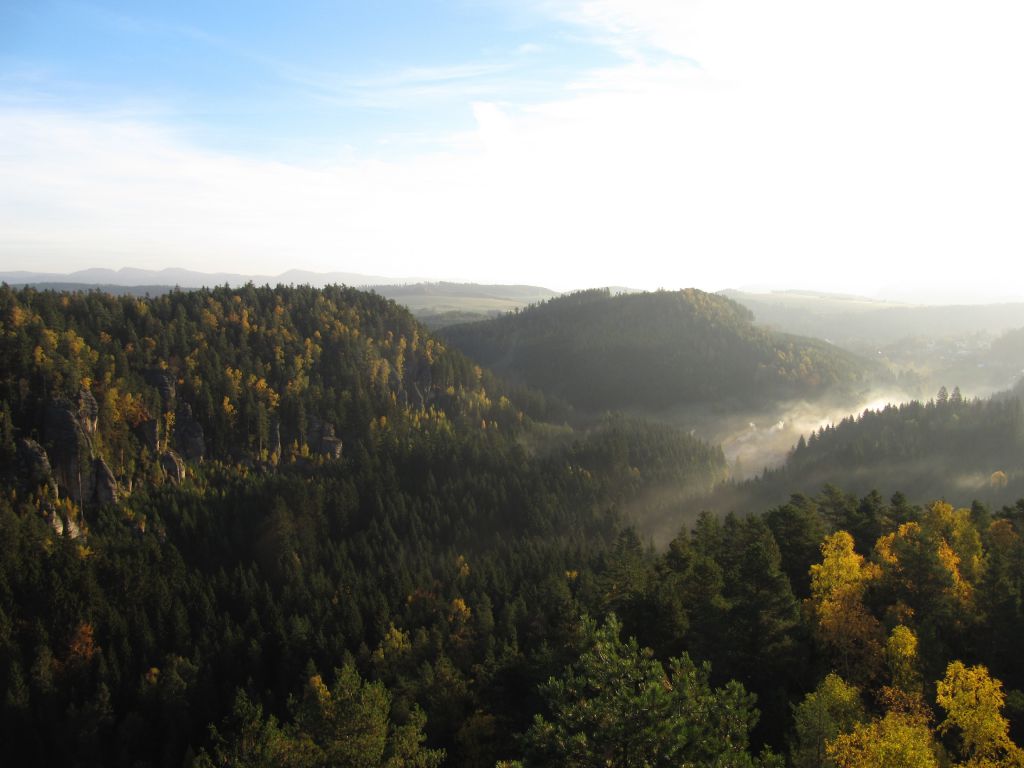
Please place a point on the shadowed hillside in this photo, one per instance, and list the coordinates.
(656, 351)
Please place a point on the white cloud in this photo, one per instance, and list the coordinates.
(836, 145)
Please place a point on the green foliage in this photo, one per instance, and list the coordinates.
(441, 560)
(617, 705)
(834, 707)
(347, 726)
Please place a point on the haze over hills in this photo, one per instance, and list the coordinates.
(435, 303)
(658, 351)
(444, 303)
(859, 322)
(936, 345)
(186, 278)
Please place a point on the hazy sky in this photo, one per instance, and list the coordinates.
(871, 146)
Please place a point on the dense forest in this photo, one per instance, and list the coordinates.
(653, 351)
(289, 526)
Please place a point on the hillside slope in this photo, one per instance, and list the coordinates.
(655, 351)
(206, 497)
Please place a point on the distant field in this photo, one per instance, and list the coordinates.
(447, 303)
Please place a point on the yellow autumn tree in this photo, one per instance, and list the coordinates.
(842, 622)
(905, 692)
(894, 741)
(973, 702)
(956, 528)
(931, 567)
(901, 658)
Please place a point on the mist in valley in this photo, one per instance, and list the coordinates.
(758, 443)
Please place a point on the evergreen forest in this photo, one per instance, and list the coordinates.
(292, 526)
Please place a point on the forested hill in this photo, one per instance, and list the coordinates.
(949, 447)
(212, 500)
(242, 374)
(654, 351)
(288, 527)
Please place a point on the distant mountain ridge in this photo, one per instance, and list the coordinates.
(854, 321)
(187, 278)
(436, 304)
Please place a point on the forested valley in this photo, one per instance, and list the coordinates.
(291, 526)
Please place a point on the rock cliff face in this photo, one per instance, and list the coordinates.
(164, 383)
(188, 434)
(322, 439)
(69, 458)
(104, 484)
(88, 412)
(33, 464)
(274, 439)
(331, 446)
(172, 466)
(70, 451)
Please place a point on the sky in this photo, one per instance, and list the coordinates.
(871, 147)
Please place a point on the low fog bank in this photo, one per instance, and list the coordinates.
(961, 453)
(752, 441)
(757, 440)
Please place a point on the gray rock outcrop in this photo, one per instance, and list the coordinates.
(105, 484)
(274, 438)
(69, 450)
(172, 466)
(189, 438)
(322, 439)
(88, 412)
(33, 463)
(146, 432)
(164, 383)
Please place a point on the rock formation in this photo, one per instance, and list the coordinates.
(172, 466)
(88, 412)
(164, 383)
(188, 434)
(69, 450)
(322, 439)
(104, 484)
(274, 439)
(146, 433)
(34, 464)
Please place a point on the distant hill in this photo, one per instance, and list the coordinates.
(852, 320)
(112, 289)
(927, 345)
(437, 304)
(656, 351)
(441, 304)
(186, 278)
